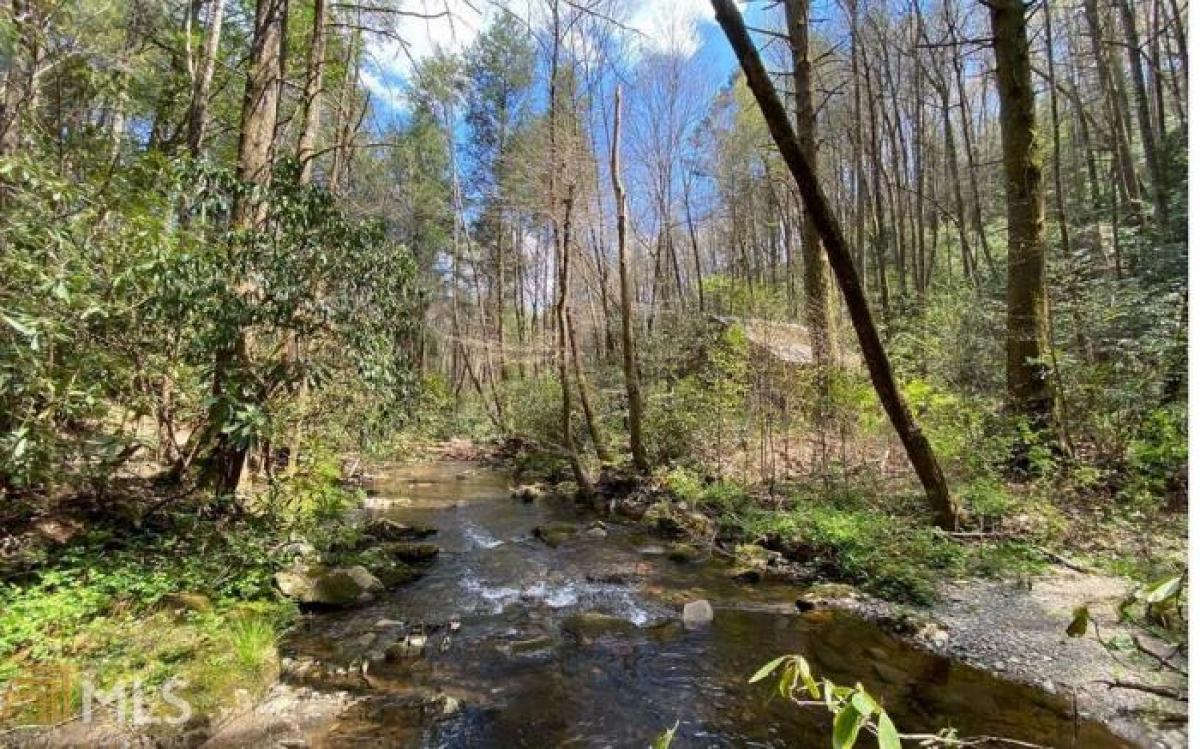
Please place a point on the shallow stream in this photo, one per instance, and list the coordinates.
(582, 644)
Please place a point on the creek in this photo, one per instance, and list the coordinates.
(582, 644)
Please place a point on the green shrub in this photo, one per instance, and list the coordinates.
(891, 556)
(1157, 456)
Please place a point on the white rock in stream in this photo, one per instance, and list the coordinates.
(697, 613)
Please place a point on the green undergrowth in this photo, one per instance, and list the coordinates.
(846, 533)
(188, 596)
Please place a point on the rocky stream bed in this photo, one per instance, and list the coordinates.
(539, 624)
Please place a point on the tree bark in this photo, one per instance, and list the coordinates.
(255, 155)
(1119, 134)
(1028, 336)
(198, 110)
(307, 143)
(815, 278)
(1133, 49)
(917, 446)
(633, 387)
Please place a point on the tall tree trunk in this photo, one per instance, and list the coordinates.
(1119, 135)
(198, 108)
(255, 155)
(307, 143)
(305, 155)
(1158, 185)
(920, 453)
(816, 277)
(633, 387)
(562, 236)
(343, 130)
(1028, 334)
(20, 84)
(879, 239)
(860, 175)
(968, 259)
(585, 397)
(972, 162)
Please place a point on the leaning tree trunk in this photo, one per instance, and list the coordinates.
(919, 451)
(1028, 334)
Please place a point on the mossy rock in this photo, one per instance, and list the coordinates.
(677, 521)
(592, 625)
(538, 644)
(411, 552)
(823, 594)
(386, 529)
(566, 490)
(528, 492)
(684, 553)
(336, 586)
(752, 556)
(555, 534)
(186, 601)
(395, 573)
(660, 518)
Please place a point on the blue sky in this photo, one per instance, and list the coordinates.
(681, 26)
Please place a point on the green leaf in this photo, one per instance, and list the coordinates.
(1079, 622)
(1164, 589)
(809, 682)
(863, 702)
(22, 329)
(766, 670)
(845, 727)
(664, 741)
(787, 680)
(889, 737)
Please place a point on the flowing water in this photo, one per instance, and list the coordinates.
(582, 645)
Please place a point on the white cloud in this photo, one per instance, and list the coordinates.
(670, 26)
(391, 95)
(450, 25)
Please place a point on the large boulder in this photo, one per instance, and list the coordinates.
(392, 574)
(589, 626)
(329, 586)
(697, 614)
